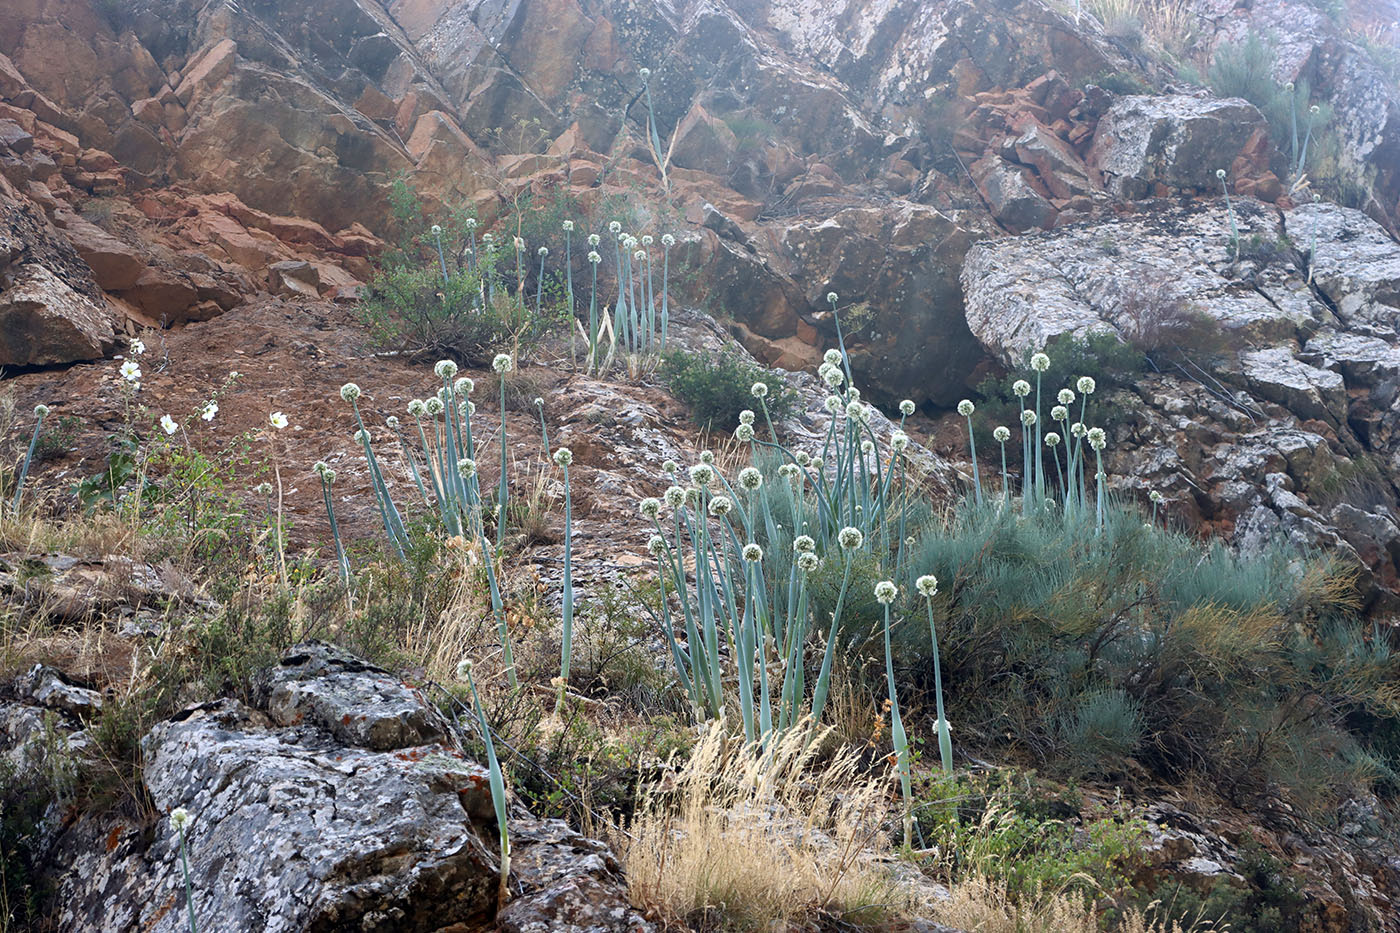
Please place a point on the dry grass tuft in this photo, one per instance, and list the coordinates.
(743, 839)
(987, 906)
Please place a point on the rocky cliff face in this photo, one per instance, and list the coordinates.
(162, 163)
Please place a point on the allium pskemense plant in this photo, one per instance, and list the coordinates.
(563, 457)
(180, 820)
(496, 777)
(40, 411)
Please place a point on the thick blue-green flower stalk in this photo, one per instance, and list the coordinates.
(1041, 364)
(927, 586)
(498, 782)
(885, 592)
(667, 241)
(1230, 208)
(442, 259)
(543, 253)
(966, 408)
(1097, 441)
(1001, 435)
(502, 364)
(327, 476)
(39, 412)
(180, 820)
(850, 540)
(563, 457)
(569, 263)
(1155, 498)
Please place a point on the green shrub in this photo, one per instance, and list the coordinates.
(1081, 650)
(719, 386)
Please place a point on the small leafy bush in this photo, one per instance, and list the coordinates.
(718, 387)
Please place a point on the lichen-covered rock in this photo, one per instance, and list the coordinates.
(1173, 141)
(339, 802)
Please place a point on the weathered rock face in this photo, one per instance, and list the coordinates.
(338, 802)
(1147, 144)
(1248, 430)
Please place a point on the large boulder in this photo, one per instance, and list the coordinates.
(1175, 142)
(339, 801)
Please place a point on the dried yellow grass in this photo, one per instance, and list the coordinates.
(745, 839)
(983, 905)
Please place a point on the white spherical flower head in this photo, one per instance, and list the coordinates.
(329, 476)
(927, 585)
(759, 390)
(471, 408)
(138, 346)
(1220, 173)
(539, 403)
(667, 240)
(1085, 385)
(899, 442)
(644, 72)
(850, 538)
(1040, 362)
(416, 408)
(817, 464)
(646, 239)
(464, 669)
(470, 223)
(629, 242)
(639, 255)
(320, 467)
(209, 411)
(568, 226)
(1001, 434)
(168, 424)
(488, 238)
(464, 386)
(1028, 418)
(445, 369)
(885, 592)
(708, 457)
(853, 410)
(594, 239)
(349, 391)
(131, 371)
(853, 394)
(362, 437)
(650, 507)
(263, 489)
(674, 496)
(657, 545)
(721, 506)
(867, 447)
(966, 408)
(743, 433)
(832, 356)
(467, 467)
(750, 478)
(520, 243)
(437, 231)
(1021, 387)
(788, 471)
(542, 252)
(702, 474)
(277, 420)
(563, 456)
(831, 298)
(807, 562)
(392, 422)
(906, 407)
(1155, 496)
(753, 553)
(1059, 413)
(594, 258)
(1077, 429)
(1097, 438)
(180, 819)
(803, 544)
(746, 416)
(1065, 397)
(670, 467)
(502, 363)
(832, 375)
(803, 458)
(434, 407)
(1052, 439)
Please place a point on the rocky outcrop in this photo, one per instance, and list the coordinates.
(1149, 146)
(1281, 387)
(337, 801)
